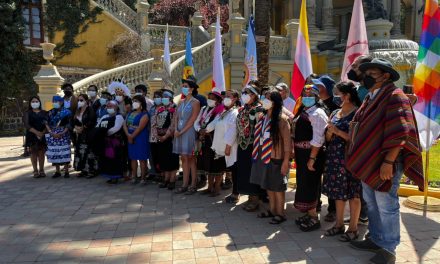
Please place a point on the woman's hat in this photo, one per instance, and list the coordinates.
(191, 81)
(381, 64)
(57, 98)
(118, 86)
(252, 89)
(328, 82)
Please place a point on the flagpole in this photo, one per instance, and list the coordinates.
(428, 139)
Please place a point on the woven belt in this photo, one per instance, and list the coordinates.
(303, 144)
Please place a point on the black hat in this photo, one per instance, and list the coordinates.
(382, 64)
(191, 81)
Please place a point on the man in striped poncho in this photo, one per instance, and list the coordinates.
(383, 145)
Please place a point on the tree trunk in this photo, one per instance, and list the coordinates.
(262, 29)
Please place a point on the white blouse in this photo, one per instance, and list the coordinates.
(225, 133)
(318, 118)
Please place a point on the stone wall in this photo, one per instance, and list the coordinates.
(12, 124)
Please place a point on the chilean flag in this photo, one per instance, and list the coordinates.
(357, 43)
(218, 74)
(303, 60)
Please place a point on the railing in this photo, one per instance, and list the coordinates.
(121, 11)
(176, 34)
(133, 73)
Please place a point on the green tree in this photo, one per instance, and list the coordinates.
(18, 64)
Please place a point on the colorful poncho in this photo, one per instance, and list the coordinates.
(381, 124)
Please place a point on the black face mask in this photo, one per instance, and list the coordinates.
(68, 93)
(369, 82)
(353, 76)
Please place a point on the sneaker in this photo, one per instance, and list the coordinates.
(383, 257)
(365, 245)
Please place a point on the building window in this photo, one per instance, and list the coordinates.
(32, 15)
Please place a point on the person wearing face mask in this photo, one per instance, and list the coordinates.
(121, 95)
(245, 138)
(288, 102)
(224, 143)
(338, 183)
(357, 76)
(185, 134)
(70, 100)
(58, 137)
(35, 119)
(142, 89)
(111, 144)
(92, 93)
(136, 130)
(271, 154)
(166, 161)
(207, 162)
(84, 121)
(383, 136)
(308, 134)
(102, 110)
(154, 137)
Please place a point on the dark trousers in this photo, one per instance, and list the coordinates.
(234, 175)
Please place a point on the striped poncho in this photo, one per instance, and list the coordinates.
(381, 124)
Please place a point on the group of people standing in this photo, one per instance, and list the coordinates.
(350, 142)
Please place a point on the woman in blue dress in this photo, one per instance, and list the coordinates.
(185, 134)
(338, 183)
(58, 137)
(136, 130)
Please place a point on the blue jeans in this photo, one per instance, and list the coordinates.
(384, 213)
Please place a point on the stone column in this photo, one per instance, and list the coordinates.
(48, 79)
(292, 33)
(155, 80)
(236, 24)
(395, 17)
(143, 7)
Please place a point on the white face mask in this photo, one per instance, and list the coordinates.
(119, 98)
(211, 103)
(35, 105)
(227, 102)
(81, 104)
(246, 98)
(138, 94)
(111, 111)
(136, 105)
(91, 93)
(267, 104)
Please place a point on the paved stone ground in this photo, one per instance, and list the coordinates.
(86, 221)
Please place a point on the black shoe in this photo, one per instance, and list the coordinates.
(383, 257)
(136, 180)
(365, 245)
(66, 175)
(164, 185)
(171, 185)
(201, 184)
(56, 175)
(82, 174)
(112, 181)
(91, 175)
(227, 185)
(318, 207)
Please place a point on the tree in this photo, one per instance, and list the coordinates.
(18, 64)
(126, 48)
(262, 29)
(179, 12)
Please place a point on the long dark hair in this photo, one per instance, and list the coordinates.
(349, 88)
(86, 98)
(30, 100)
(277, 107)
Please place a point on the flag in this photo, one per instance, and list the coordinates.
(250, 60)
(188, 69)
(357, 43)
(427, 77)
(218, 73)
(166, 55)
(302, 68)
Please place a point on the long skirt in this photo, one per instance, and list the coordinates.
(166, 160)
(58, 149)
(307, 182)
(244, 166)
(112, 162)
(85, 160)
